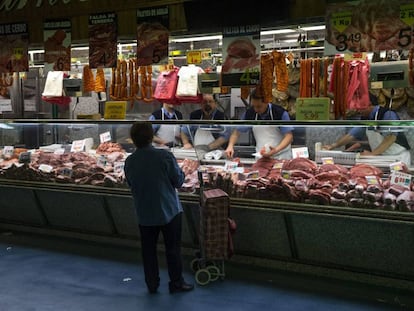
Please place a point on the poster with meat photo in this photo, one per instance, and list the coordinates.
(369, 26)
(103, 36)
(57, 43)
(241, 55)
(14, 46)
(152, 36)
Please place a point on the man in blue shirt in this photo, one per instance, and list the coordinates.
(380, 142)
(153, 176)
(271, 141)
(213, 137)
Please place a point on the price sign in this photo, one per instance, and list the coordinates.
(253, 175)
(351, 26)
(407, 13)
(24, 157)
(312, 108)
(400, 178)
(67, 172)
(59, 151)
(285, 174)
(102, 160)
(301, 152)
(104, 137)
(277, 165)
(119, 167)
(396, 166)
(78, 145)
(45, 168)
(18, 53)
(194, 57)
(327, 160)
(8, 152)
(115, 110)
(371, 180)
(340, 21)
(241, 55)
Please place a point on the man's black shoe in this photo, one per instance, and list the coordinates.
(184, 287)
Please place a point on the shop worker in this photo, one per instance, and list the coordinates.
(271, 141)
(209, 137)
(380, 142)
(166, 134)
(153, 176)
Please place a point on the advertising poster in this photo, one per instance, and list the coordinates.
(57, 43)
(152, 36)
(103, 35)
(241, 55)
(14, 46)
(369, 26)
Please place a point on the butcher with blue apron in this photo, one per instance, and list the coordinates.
(166, 134)
(271, 141)
(205, 137)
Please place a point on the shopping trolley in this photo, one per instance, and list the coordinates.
(214, 235)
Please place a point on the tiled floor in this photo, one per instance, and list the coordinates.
(51, 274)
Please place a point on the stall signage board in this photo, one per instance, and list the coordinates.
(103, 38)
(352, 26)
(57, 44)
(314, 108)
(14, 51)
(152, 35)
(241, 55)
(115, 110)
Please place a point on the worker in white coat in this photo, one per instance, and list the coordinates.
(166, 134)
(271, 141)
(210, 137)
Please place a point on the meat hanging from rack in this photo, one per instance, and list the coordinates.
(244, 91)
(281, 72)
(411, 66)
(266, 77)
(100, 83)
(325, 76)
(316, 76)
(88, 80)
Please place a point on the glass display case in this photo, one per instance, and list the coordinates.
(91, 154)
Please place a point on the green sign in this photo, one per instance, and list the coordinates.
(312, 108)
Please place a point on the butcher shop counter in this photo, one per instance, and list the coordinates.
(356, 243)
(369, 246)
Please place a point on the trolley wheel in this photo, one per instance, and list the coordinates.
(195, 264)
(202, 277)
(214, 273)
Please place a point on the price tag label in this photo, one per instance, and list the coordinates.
(286, 174)
(301, 152)
(104, 137)
(67, 172)
(24, 157)
(277, 165)
(312, 108)
(59, 151)
(18, 53)
(45, 168)
(78, 145)
(400, 178)
(407, 13)
(194, 57)
(340, 21)
(396, 166)
(327, 160)
(230, 165)
(253, 175)
(372, 180)
(119, 167)
(115, 110)
(8, 152)
(102, 160)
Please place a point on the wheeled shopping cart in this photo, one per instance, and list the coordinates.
(213, 236)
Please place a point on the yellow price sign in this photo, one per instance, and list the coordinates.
(194, 57)
(341, 20)
(18, 53)
(115, 110)
(407, 13)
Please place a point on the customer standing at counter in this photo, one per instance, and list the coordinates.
(205, 136)
(387, 143)
(153, 176)
(277, 139)
(166, 134)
